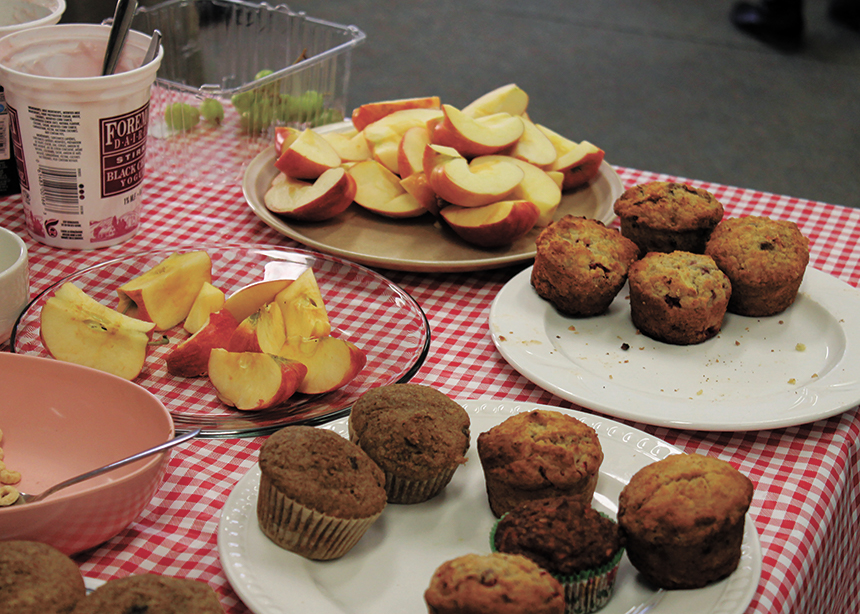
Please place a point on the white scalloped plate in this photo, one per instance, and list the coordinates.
(389, 569)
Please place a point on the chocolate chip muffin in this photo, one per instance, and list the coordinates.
(581, 265)
(666, 216)
(416, 434)
(36, 578)
(537, 455)
(151, 593)
(319, 492)
(494, 583)
(682, 520)
(678, 298)
(765, 259)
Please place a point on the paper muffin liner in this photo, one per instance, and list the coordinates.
(305, 531)
(586, 591)
(403, 490)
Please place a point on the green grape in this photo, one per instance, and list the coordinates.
(212, 111)
(309, 104)
(258, 118)
(243, 101)
(181, 116)
(328, 116)
(263, 73)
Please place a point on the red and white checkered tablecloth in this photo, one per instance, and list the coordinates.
(806, 506)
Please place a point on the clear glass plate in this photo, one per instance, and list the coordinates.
(363, 306)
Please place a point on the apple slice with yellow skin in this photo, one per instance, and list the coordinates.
(533, 146)
(164, 294)
(76, 328)
(350, 146)
(379, 190)
(303, 308)
(492, 225)
(474, 184)
(508, 98)
(306, 155)
(208, 300)
(579, 163)
(191, 357)
(417, 185)
(371, 112)
(328, 196)
(262, 331)
(410, 152)
(249, 299)
(331, 362)
(537, 186)
(253, 381)
(477, 136)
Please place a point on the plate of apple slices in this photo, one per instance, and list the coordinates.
(235, 340)
(417, 185)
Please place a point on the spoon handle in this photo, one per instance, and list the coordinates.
(116, 465)
(122, 17)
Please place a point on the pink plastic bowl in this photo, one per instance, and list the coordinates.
(60, 420)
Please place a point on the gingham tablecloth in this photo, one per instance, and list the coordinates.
(807, 478)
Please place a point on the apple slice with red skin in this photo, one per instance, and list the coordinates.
(306, 155)
(384, 136)
(253, 381)
(191, 357)
(209, 300)
(303, 308)
(477, 136)
(538, 186)
(331, 362)
(508, 98)
(474, 184)
(533, 146)
(328, 196)
(368, 113)
(262, 331)
(249, 299)
(492, 225)
(579, 163)
(379, 190)
(410, 153)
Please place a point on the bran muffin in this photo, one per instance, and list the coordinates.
(682, 520)
(580, 265)
(678, 297)
(417, 435)
(537, 455)
(36, 578)
(664, 216)
(494, 583)
(151, 593)
(319, 492)
(765, 260)
(579, 546)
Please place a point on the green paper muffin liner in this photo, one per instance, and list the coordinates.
(586, 591)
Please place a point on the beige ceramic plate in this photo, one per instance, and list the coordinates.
(418, 244)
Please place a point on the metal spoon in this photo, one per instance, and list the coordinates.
(122, 17)
(25, 498)
(152, 50)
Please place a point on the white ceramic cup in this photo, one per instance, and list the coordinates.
(14, 281)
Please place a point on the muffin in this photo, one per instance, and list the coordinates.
(664, 216)
(679, 297)
(493, 584)
(151, 593)
(682, 520)
(36, 578)
(765, 260)
(319, 492)
(416, 434)
(537, 455)
(580, 265)
(579, 546)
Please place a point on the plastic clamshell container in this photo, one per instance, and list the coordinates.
(215, 50)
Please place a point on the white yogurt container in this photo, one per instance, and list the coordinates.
(79, 137)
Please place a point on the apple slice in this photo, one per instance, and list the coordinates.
(533, 146)
(350, 146)
(368, 113)
(508, 98)
(306, 155)
(164, 294)
(208, 300)
(419, 188)
(76, 328)
(410, 152)
(329, 196)
(251, 298)
(477, 136)
(191, 357)
(537, 186)
(303, 308)
(331, 362)
(252, 381)
(579, 163)
(492, 225)
(384, 136)
(262, 331)
(474, 184)
(379, 190)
